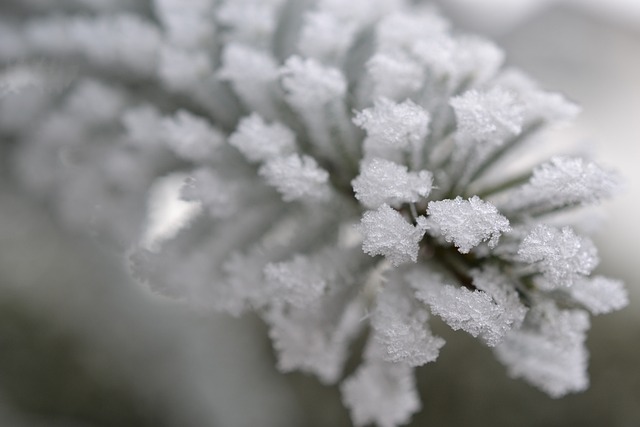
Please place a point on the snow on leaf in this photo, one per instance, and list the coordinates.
(382, 393)
(259, 141)
(382, 181)
(466, 223)
(489, 116)
(560, 254)
(386, 232)
(548, 351)
(600, 295)
(297, 178)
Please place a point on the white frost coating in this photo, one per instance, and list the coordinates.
(297, 178)
(314, 339)
(476, 58)
(325, 37)
(489, 312)
(401, 30)
(393, 127)
(363, 12)
(310, 85)
(220, 197)
(394, 76)
(382, 393)
(94, 102)
(600, 295)
(298, 282)
(191, 137)
(490, 116)
(386, 232)
(539, 105)
(259, 141)
(401, 331)
(249, 21)
(142, 125)
(548, 351)
(252, 73)
(181, 69)
(561, 255)
(189, 23)
(382, 181)
(564, 181)
(466, 223)
(126, 40)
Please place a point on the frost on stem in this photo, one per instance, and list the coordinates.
(259, 141)
(466, 223)
(600, 295)
(297, 178)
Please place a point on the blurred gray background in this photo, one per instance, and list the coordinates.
(80, 345)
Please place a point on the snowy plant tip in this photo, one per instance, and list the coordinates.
(334, 150)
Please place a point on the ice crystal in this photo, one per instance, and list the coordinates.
(345, 160)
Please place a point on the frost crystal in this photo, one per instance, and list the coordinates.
(381, 393)
(487, 116)
(296, 177)
(466, 223)
(561, 255)
(312, 136)
(387, 233)
(382, 181)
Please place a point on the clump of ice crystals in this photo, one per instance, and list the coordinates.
(339, 152)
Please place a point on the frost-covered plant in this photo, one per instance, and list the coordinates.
(352, 161)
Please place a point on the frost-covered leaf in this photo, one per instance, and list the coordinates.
(600, 295)
(394, 76)
(548, 351)
(259, 141)
(466, 223)
(386, 232)
(560, 254)
(392, 127)
(310, 85)
(490, 116)
(297, 178)
(400, 329)
(489, 312)
(382, 181)
(325, 37)
(382, 393)
(298, 282)
(191, 137)
(562, 182)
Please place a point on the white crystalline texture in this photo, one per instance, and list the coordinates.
(401, 331)
(94, 102)
(181, 69)
(386, 232)
(382, 181)
(191, 137)
(488, 312)
(221, 197)
(600, 295)
(259, 141)
(297, 178)
(249, 21)
(394, 126)
(548, 351)
(401, 30)
(363, 12)
(189, 23)
(466, 223)
(394, 76)
(381, 393)
(561, 182)
(490, 116)
(325, 37)
(314, 339)
(561, 255)
(539, 105)
(298, 282)
(143, 125)
(127, 40)
(476, 58)
(310, 85)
